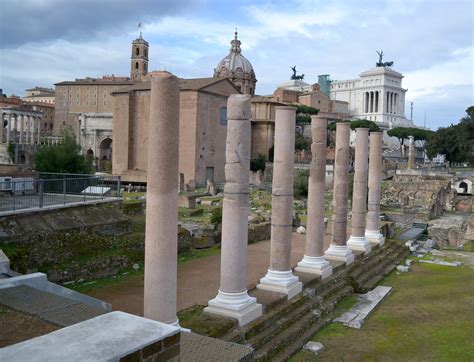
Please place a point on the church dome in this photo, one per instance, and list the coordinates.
(237, 68)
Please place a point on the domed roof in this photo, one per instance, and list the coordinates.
(234, 62)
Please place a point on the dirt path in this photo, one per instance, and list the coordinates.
(198, 280)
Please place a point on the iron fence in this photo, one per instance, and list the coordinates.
(50, 190)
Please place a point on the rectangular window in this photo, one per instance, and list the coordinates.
(223, 116)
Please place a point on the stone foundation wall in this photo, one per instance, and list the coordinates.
(104, 219)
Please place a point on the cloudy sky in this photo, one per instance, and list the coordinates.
(431, 42)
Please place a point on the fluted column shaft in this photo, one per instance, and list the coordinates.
(161, 234)
(22, 120)
(9, 128)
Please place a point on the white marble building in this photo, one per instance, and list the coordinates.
(377, 95)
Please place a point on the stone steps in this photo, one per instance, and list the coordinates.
(287, 325)
(291, 334)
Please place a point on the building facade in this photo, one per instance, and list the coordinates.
(40, 94)
(377, 95)
(202, 130)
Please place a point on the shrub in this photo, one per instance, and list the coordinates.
(258, 163)
(216, 216)
(300, 185)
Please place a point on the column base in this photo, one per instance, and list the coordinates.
(359, 243)
(374, 236)
(235, 305)
(281, 282)
(339, 253)
(314, 265)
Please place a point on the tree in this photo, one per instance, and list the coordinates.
(358, 123)
(303, 114)
(301, 143)
(64, 157)
(456, 142)
(258, 163)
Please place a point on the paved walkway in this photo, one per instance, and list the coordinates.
(198, 280)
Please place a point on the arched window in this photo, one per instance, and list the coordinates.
(137, 51)
(223, 116)
(136, 65)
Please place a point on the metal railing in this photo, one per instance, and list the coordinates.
(50, 190)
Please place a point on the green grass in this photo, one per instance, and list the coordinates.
(203, 323)
(428, 317)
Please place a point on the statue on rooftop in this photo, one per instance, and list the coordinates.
(380, 63)
(294, 76)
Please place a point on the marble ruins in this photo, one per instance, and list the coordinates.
(232, 299)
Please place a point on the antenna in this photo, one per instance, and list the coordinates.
(139, 26)
(411, 112)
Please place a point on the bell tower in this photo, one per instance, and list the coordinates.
(139, 60)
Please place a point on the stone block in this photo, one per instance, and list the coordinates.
(313, 347)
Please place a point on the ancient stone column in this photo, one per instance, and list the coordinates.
(357, 240)
(2, 130)
(313, 261)
(161, 234)
(34, 121)
(28, 129)
(39, 130)
(22, 120)
(9, 128)
(338, 250)
(15, 132)
(232, 299)
(411, 153)
(279, 277)
(372, 232)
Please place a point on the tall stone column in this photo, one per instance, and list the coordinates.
(34, 121)
(161, 234)
(15, 133)
(232, 299)
(338, 250)
(279, 277)
(2, 131)
(411, 153)
(28, 129)
(313, 261)
(357, 241)
(22, 121)
(9, 128)
(39, 130)
(372, 232)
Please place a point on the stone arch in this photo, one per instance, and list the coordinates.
(105, 154)
(464, 187)
(90, 153)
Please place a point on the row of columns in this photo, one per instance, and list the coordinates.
(392, 99)
(371, 101)
(232, 299)
(20, 128)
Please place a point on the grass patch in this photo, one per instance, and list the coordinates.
(428, 317)
(133, 197)
(205, 324)
(345, 304)
(3, 311)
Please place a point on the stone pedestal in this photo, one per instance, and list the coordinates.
(279, 277)
(232, 299)
(338, 250)
(313, 260)
(357, 240)
(372, 232)
(162, 201)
